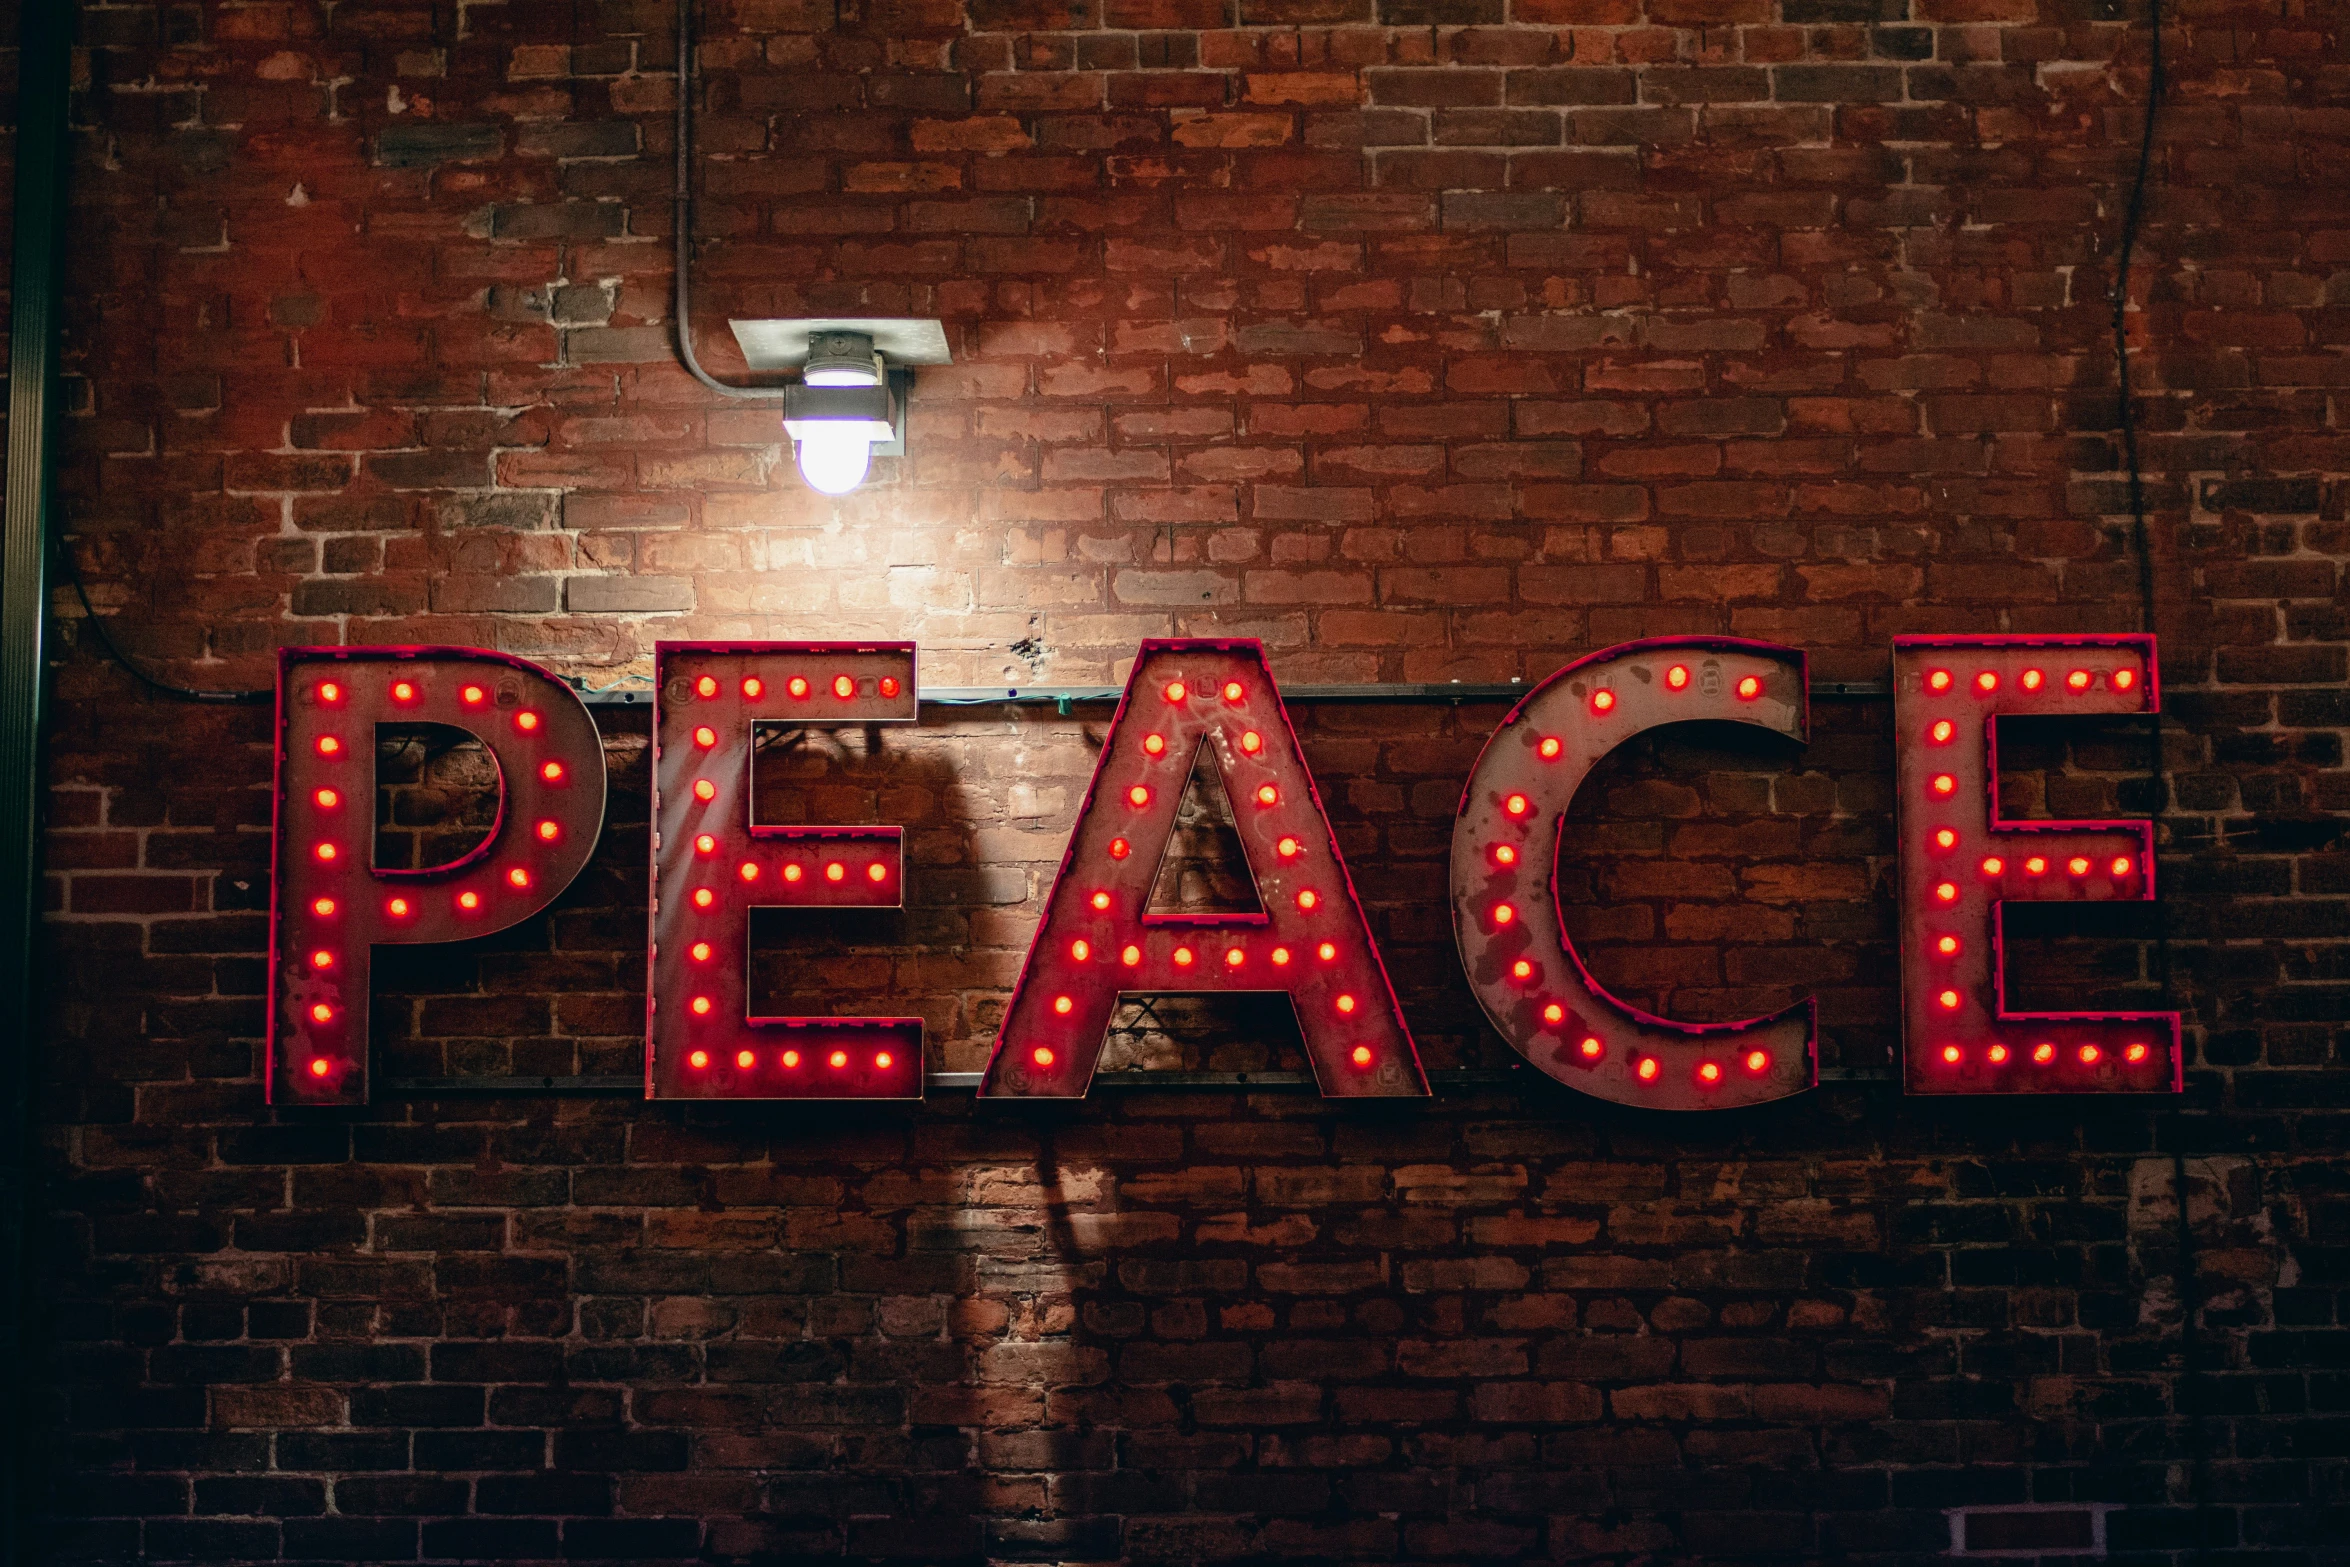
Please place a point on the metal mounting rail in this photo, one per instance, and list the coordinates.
(631, 1085)
(1066, 697)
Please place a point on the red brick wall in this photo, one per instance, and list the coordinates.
(1447, 340)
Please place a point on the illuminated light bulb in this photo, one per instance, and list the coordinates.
(549, 831)
(328, 799)
(702, 1005)
(1503, 914)
(1041, 1056)
(1251, 742)
(1550, 748)
(1758, 1061)
(704, 897)
(1647, 1069)
(552, 772)
(1949, 1000)
(2032, 681)
(1362, 1055)
(2089, 1055)
(1748, 689)
(1100, 900)
(1945, 784)
(755, 688)
(1522, 969)
(698, 1060)
(843, 687)
(1154, 744)
(518, 878)
(1945, 838)
(1677, 677)
(883, 1061)
(1952, 1055)
(322, 1013)
(707, 686)
(1138, 796)
(797, 686)
(1234, 958)
(877, 873)
(2078, 865)
(1080, 950)
(2123, 679)
(1267, 794)
(1709, 1072)
(474, 696)
(319, 1067)
(745, 1060)
(1938, 680)
(1130, 956)
(2043, 1053)
(1503, 854)
(469, 901)
(2121, 866)
(328, 691)
(2034, 865)
(2134, 1054)
(1280, 957)
(1994, 866)
(328, 745)
(1987, 682)
(2078, 680)
(705, 791)
(526, 720)
(1174, 690)
(791, 1059)
(836, 872)
(834, 455)
(1346, 1005)
(705, 737)
(748, 870)
(1591, 1048)
(1063, 1005)
(837, 1060)
(1947, 892)
(325, 907)
(326, 851)
(397, 908)
(403, 691)
(1554, 1013)
(793, 873)
(1327, 951)
(1947, 946)
(1309, 900)
(701, 951)
(889, 685)
(1517, 805)
(1289, 848)
(1120, 848)
(1996, 1055)
(1233, 691)
(1603, 701)
(1942, 730)
(1183, 957)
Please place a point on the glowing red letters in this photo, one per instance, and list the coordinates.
(1505, 846)
(1962, 863)
(1099, 941)
(331, 904)
(714, 861)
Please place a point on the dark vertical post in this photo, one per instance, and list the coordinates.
(44, 70)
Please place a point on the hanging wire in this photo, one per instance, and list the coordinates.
(682, 221)
(73, 572)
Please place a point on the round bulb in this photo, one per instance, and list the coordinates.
(834, 460)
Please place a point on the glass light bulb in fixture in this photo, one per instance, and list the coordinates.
(834, 457)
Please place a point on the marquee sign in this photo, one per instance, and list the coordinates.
(1190, 707)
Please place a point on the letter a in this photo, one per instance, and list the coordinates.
(1100, 942)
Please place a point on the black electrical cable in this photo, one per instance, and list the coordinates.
(682, 221)
(2142, 545)
(97, 626)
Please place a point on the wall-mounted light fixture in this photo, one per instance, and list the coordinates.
(850, 404)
